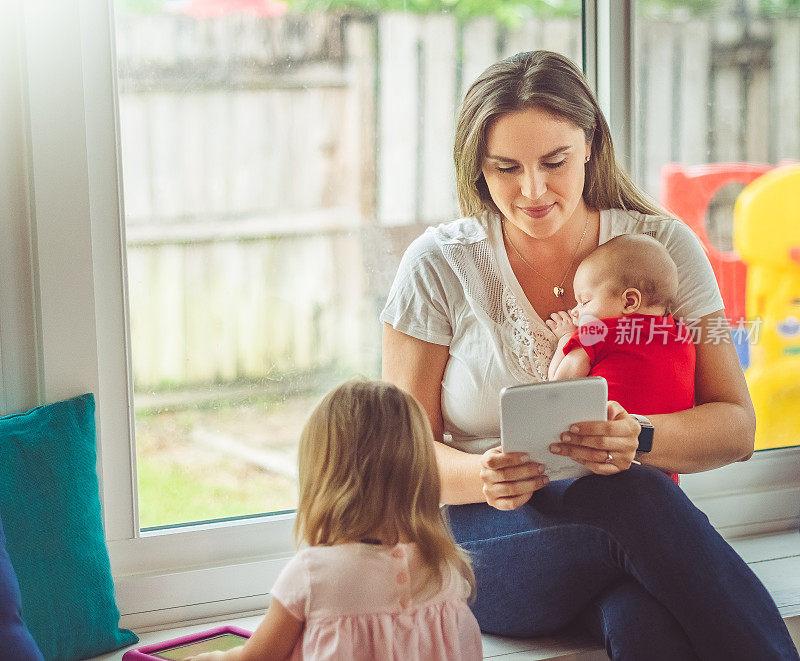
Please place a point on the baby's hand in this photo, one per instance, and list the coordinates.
(561, 324)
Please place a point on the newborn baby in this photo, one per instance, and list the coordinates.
(622, 329)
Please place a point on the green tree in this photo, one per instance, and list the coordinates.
(507, 11)
(512, 11)
(504, 10)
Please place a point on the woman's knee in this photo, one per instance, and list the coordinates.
(641, 495)
(479, 521)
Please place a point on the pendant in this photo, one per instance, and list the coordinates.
(558, 291)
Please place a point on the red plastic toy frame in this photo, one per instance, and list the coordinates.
(687, 192)
(146, 652)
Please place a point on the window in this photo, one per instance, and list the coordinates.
(81, 259)
(275, 165)
(712, 113)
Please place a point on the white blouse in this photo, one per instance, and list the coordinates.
(455, 287)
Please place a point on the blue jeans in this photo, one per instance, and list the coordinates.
(630, 558)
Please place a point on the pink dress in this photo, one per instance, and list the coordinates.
(373, 603)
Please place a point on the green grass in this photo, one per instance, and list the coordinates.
(185, 478)
(182, 481)
(171, 493)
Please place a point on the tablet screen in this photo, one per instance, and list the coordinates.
(220, 643)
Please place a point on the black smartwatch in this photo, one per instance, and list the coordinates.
(646, 435)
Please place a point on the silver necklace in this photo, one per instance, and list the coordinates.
(558, 289)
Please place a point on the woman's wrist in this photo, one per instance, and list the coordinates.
(459, 475)
(721, 425)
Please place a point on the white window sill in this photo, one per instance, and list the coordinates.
(775, 558)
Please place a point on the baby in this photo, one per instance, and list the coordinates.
(621, 328)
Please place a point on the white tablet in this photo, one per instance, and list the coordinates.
(534, 415)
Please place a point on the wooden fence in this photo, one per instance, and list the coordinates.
(275, 169)
(715, 92)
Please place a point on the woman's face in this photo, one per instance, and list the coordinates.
(534, 169)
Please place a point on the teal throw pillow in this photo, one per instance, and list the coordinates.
(50, 505)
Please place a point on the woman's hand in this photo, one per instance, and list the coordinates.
(510, 478)
(604, 447)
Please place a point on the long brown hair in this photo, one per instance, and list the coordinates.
(367, 464)
(546, 80)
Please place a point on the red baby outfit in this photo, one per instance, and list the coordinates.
(647, 360)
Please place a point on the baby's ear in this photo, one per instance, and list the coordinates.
(633, 300)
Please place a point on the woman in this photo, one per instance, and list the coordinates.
(623, 551)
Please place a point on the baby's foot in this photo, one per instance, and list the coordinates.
(561, 324)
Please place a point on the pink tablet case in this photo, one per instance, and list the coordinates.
(144, 653)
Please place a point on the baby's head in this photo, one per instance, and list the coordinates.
(630, 273)
(367, 464)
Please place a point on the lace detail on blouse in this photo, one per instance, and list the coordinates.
(526, 348)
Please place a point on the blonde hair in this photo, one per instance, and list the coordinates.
(551, 82)
(640, 261)
(367, 464)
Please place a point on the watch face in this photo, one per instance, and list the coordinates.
(645, 437)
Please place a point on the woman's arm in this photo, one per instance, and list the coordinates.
(274, 639)
(503, 480)
(720, 429)
(418, 367)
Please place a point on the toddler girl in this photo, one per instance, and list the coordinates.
(381, 577)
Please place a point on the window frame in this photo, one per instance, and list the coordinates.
(79, 310)
(19, 387)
